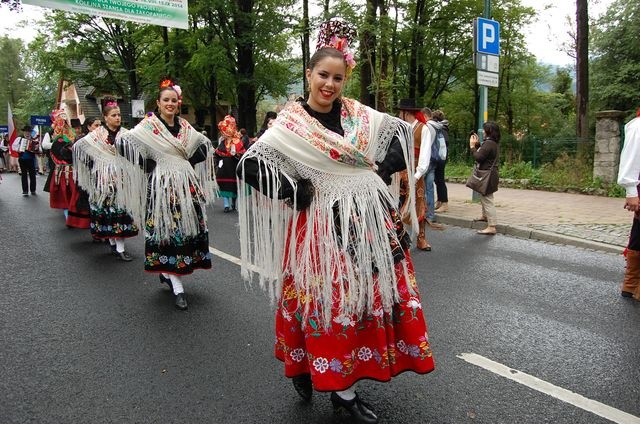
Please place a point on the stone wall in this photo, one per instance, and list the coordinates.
(608, 144)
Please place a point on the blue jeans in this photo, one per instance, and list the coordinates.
(429, 179)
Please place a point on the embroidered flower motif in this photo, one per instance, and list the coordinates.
(321, 365)
(378, 312)
(344, 320)
(413, 351)
(335, 155)
(172, 260)
(297, 354)
(335, 365)
(414, 303)
(402, 346)
(163, 259)
(286, 315)
(377, 356)
(155, 131)
(364, 354)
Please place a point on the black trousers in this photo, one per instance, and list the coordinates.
(441, 187)
(28, 166)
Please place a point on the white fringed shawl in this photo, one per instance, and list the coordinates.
(96, 164)
(165, 195)
(342, 171)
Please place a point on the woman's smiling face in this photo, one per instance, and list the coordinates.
(168, 103)
(326, 80)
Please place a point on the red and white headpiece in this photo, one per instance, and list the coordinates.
(338, 34)
(169, 83)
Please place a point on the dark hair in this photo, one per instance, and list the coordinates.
(88, 121)
(438, 115)
(163, 89)
(108, 108)
(491, 130)
(323, 53)
(269, 116)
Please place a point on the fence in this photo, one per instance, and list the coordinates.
(535, 150)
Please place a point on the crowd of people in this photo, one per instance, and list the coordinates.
(328, 197)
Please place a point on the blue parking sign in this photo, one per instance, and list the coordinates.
(487, 36)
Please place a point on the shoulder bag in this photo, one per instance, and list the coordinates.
(480, 178)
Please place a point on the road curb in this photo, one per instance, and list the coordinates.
(532, 234)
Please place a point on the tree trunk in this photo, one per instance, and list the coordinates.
(367, 55)
(306, 55)
(415, 46)
(243, 29)
(582, 75)
(381, 93)
(213, 102)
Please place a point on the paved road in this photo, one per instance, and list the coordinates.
(88, 339)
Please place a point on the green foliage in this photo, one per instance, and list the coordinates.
(13, 74)
(616, 64)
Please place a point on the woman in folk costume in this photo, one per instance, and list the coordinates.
(63, 191)
(96, 169)
(337, 261)
(167, 182)
(228, 154)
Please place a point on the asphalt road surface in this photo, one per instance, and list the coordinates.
(522, 332)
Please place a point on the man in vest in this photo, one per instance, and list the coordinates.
(410, 113)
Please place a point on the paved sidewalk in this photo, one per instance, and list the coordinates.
(593, 222)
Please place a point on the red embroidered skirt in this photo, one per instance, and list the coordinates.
(377, 346)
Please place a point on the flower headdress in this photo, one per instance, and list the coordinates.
(338, 34)
(61, 125)
(228, 127)
(167, 82)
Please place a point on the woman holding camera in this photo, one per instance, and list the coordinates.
(486, 155)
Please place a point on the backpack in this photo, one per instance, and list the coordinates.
(439, 146)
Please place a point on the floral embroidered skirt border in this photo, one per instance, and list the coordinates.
(180, 255)
(377, 346)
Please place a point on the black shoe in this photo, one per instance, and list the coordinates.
(181, 302)
(626, 294)
(167, 281)
(113, 250)
(302, 384)
(33, 193)
(360, 412)
(25, 194)
(227, 210)
(124, 256)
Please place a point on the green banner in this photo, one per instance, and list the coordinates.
(169, 13)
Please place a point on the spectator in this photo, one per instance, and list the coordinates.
(442, 204)
(487, 157)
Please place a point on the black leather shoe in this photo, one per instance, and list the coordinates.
(166, 281)
(626, 294)
(302, 384)
(227, 210)
(181, 301)
(124, 256)
(360, 412)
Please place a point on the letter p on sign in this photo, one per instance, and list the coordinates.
(487, 34)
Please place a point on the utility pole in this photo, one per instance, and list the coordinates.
(483, 107)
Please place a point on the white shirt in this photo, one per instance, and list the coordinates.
(629, 169)
(424, 159)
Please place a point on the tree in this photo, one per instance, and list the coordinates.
(616, 62)
(13, 78)
(582, 75)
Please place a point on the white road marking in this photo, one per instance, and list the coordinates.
(542, 386)
(224, 256)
